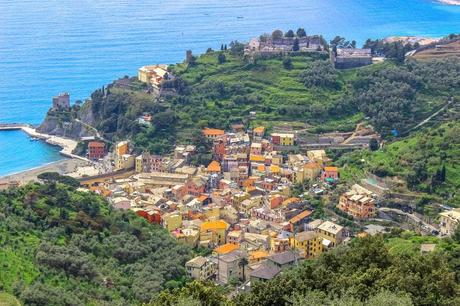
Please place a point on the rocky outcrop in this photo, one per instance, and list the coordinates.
(53, 125)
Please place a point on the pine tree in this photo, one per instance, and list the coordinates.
(295, 47)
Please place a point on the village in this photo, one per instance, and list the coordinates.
(252, 211)
(243, 210)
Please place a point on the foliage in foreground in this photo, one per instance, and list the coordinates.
(364, 272)
(59, 246)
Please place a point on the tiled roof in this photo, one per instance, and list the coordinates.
(258, 254)
(259, 129)
(226, 248)
(214, 166)
(331, 169)
(265, 272)
(259, 158)
(300, 216)
(283, 258)
(213, 225)
(208, 132)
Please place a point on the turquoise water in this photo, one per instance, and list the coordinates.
(47, 47)
(12, 146)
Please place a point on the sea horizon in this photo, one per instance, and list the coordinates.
(47, 49)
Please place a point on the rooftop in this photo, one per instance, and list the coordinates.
(300, 216)
(226, 248)
(196, 262)
(283, 258)
(214, 225)
(265, 272)
(213, 166)
(213, 132)
(330, 227)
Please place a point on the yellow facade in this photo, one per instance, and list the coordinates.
(214, 232)
(121, 148)
(240, 197)
(309, 244)
(212, 213)
(172, 221)
(138, 165)
(299, 175)
(287, 139)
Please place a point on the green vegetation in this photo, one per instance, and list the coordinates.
(8, 300)
(59, 246)
(368, 271)
(429, 161)
(219, 88)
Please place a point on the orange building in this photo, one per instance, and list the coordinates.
(330, 174)
(213, 133)
(360, 206)
(213, 167)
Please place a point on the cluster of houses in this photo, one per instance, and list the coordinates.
(267, 44)
(240, 205)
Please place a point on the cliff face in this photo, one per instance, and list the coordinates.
(54, 126)
(62, 123)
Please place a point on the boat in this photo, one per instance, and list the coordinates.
(34, 139)
(240, 17)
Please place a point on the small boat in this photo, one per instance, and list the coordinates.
(240, 17)
(34, 139)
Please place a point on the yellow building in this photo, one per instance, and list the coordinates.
(311, 170)
(188, 236)
(213, 232)
(138, 164)
(318, 156)
(121, 148)
(200, 268)
(124, 162)
(172, 221)
(237, 199)
(298, 175)
(277, 159)
(152, 74)
(212, 212)
(257, 256)
(308, 244)
(331, 233)
(285, 139)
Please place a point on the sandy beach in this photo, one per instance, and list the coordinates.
(64, 166)
(74, 165)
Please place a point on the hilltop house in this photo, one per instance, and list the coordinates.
(346, 58)
(153, 75)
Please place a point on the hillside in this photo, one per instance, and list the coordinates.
(429, 161)
(60, 246)
(370, 271)
(219, 88)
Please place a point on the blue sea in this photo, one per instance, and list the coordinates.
(47, 47)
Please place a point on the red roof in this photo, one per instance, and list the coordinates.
(96, 144)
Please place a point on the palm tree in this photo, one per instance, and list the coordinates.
(243, 263)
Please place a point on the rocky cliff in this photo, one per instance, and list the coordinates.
(74, 124)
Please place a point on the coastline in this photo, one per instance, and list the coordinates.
(70, 164)
(64, 166)
(67, 144)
